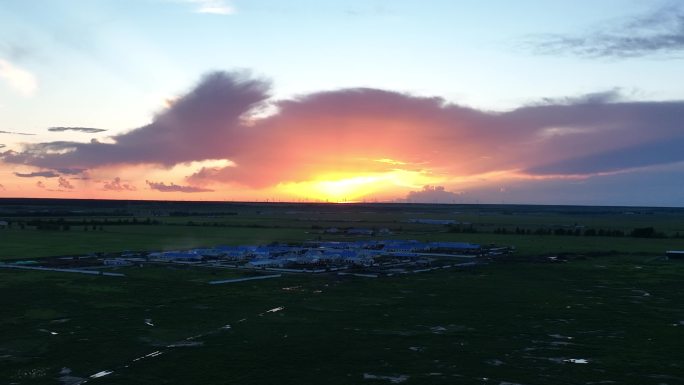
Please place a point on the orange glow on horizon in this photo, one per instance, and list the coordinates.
(347, 187)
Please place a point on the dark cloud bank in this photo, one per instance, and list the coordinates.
(344, 129)
(38, 174)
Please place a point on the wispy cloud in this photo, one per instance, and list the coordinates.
(18, 78)
(88, 130)
(117, 185)
(65, 184)
(172, 187)
(216, 7)
(37, 174)
(660, 32)
(15, 133)
(15, 50)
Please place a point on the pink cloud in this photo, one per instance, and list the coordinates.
(346, 131)
(116, 185)
(172, 187)
(65, 184)
(200, 125)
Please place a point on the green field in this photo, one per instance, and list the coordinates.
(616, 303)
(18, 244)
(185, 225)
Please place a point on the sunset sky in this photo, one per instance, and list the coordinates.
(563, 102)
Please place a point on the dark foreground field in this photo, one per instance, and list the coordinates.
(520, 323)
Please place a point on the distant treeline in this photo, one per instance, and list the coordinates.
(60, 213)
(220, 224)
(639, 232)
(113, 213)
(200, 214)
(94, 224)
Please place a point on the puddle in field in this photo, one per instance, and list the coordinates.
(560, 343)
(643, 293)
(494, 362)
(393, 379)
(438, 329)
(150, 355)
(187, 342)
(101, 374)
(274, 310)
(67, 379)
(560, 337)
(561, 360)
(48, 331)
(577, 360)
(416, 348)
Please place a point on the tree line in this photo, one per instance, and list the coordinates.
(637, 232)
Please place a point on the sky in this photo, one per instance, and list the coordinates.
(564, 102)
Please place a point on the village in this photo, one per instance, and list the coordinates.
(317, 256)
(367, 258)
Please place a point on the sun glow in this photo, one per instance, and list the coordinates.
(348, 188)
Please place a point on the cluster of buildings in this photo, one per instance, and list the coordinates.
(313, 254)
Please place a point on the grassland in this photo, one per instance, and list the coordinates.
(616, 303)
(260, 223)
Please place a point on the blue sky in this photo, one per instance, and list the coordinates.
(95, 53)
(111, 64)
